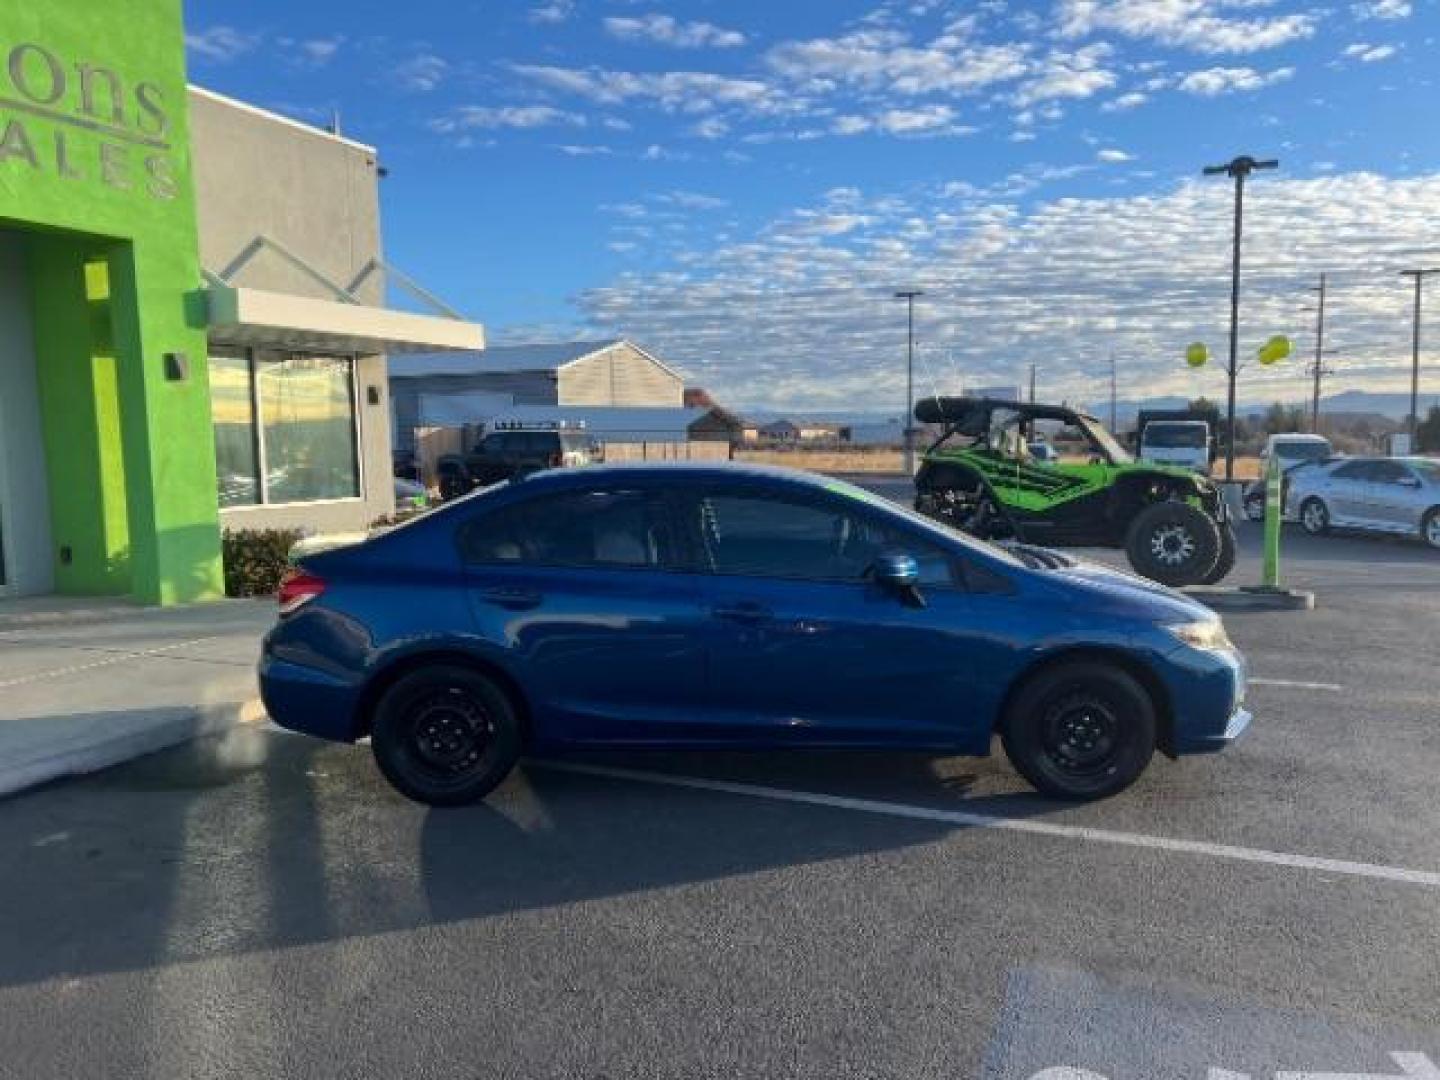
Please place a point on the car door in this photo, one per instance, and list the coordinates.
(1392, 499)
(804, 649)
(581, 594)
(1346, 492)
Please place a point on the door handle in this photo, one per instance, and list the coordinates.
(745, 612)
(513, 599)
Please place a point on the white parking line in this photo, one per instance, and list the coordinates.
(111, 658)
(1426, 878)
(1291, 684)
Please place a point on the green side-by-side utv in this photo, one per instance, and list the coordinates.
(1051, 476)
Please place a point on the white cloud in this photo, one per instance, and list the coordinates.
(222, 44)
(1200, 25)
(925, 120)
(320, 51)
(1383, 9)
(556, 11)
(1113, 157)
(799, 314)
(1212, 82)
(692, 200)
(1132, 100)
(491, 117)
(421, 74)
(1369, 54)
(584, 150)
(674, 91)
(885, 60)
(666, 30)
(712, 127)
(1077, 74)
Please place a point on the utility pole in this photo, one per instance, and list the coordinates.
(909, 295)
(1032, 384)
(1113, 428)
(1419, 276)
(1238, 170)
(1319, 358)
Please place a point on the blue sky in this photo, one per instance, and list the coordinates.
(741, 185)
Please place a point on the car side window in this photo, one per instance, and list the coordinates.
(753, 536)
(600, 529)
(1354, 470)
(1388, 472)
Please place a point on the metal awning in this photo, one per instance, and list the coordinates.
(241, 316)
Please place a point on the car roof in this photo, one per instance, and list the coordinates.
(1298, 437)
(673, 471)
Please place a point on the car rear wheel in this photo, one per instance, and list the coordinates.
(445, 735)
(1430, 528)
(1080, 730)
(1226, 561)
(1173, 543)
(1314, 517)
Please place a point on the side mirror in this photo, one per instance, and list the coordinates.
(901, 574)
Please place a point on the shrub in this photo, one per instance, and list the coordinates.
(256, 559)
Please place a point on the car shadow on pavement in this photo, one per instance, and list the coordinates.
(254, 841)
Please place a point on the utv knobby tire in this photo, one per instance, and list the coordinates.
(1226, 562)
(446, 735)
(1173, 543)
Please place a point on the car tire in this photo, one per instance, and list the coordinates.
(1226, 560)
(446, 735)
(1430, 528)
(1315, 516)
(1081, 730)
(1173, 543)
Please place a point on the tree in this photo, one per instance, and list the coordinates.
(1280, 420)
(1427, 434)
(1202, 404)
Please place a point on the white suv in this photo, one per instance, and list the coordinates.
(1292, 449)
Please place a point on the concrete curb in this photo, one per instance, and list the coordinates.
(1251, 598)
(94, 748)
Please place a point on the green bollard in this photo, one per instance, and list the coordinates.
(1274, 511)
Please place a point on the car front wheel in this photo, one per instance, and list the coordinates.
(1314, 517)
(445, 735)
(1080, 730)
(1430, 528)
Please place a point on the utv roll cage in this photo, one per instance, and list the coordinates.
(970, 418)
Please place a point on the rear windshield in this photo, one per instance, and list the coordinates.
(1176, 435)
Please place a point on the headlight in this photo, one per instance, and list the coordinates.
(1209, 635)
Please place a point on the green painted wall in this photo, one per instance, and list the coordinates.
(95, 163)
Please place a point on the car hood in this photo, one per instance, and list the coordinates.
(1093, 585)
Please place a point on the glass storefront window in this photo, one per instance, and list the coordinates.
(232, 409)
(287, 418)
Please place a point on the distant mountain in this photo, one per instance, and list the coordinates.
(1394, 406)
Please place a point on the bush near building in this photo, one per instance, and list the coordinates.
(256, 559)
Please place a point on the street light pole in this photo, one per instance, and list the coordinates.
(1114, 430)
(1419, 276)
(1238, 170)
(909, 295)
(1319, 361)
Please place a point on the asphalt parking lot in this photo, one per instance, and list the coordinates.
(264, 905)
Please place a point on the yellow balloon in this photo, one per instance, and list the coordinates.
(1197, 354)
(1274, 350)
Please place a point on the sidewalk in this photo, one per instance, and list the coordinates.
(87, 683)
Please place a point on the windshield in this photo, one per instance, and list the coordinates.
(1177, 436)
(919, 520)
(1117, 454)
(1429, 471)
(1302, 451)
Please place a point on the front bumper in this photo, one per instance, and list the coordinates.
(1238, 724)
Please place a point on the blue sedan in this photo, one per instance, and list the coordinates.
(694, 606)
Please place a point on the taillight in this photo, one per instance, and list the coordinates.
(297, 589)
